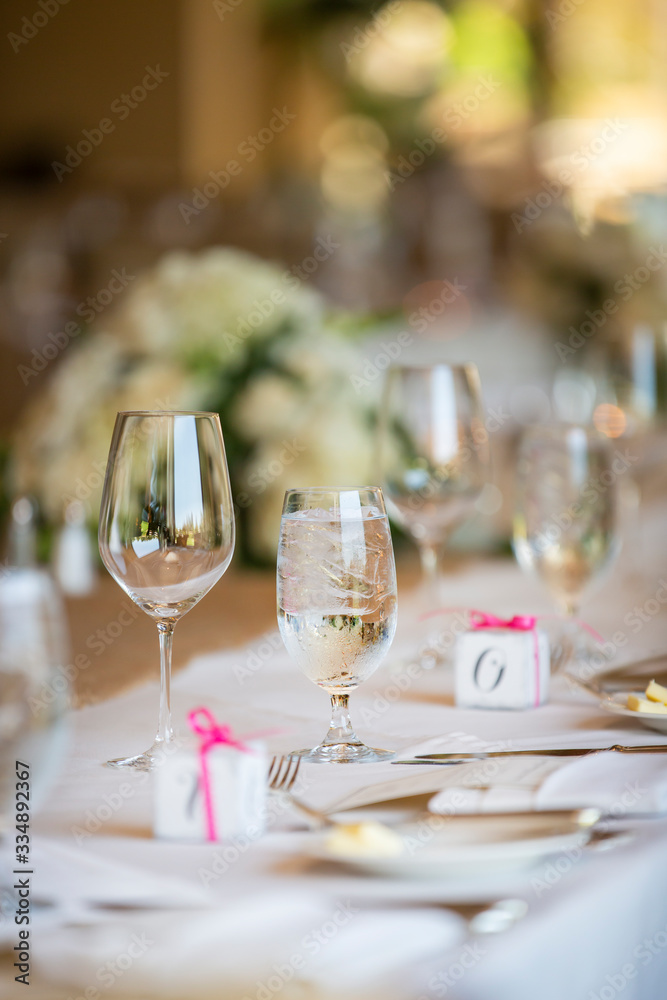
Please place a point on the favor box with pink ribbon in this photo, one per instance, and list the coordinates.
(213, 787)
(502, 663)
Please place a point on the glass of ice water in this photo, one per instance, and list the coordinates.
(337, 600)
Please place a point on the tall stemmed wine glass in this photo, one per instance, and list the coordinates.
(433, 452)
(337, 600)
(565, 517)
(166, 530)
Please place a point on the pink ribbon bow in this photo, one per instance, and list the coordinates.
(211, 734)
(520, 623)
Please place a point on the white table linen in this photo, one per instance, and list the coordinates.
(231, 921)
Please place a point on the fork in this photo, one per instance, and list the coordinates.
(283, 772)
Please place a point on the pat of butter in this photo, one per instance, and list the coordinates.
(369, 839)
(656, 692)
(643, 705)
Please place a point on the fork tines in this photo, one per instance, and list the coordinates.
(283, 772)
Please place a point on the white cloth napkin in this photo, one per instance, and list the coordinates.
(617, 784)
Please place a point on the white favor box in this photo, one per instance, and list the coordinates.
(502, 668)
(238, 783)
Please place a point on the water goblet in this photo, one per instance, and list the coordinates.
(336, 591)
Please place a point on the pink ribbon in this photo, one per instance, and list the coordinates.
(211, 735)
(523, 623)
(520, 623)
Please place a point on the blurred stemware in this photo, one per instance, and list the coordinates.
(433, 456)
(34, 689)
(565, 523)
(166, 530)
(337, 601)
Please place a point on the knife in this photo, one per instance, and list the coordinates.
(452, 758)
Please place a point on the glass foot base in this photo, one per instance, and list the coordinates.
(144, 761)
(343, 753)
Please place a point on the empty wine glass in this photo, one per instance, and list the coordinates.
(337, 600)
(565, 518)
(166, 530)
(433, 453)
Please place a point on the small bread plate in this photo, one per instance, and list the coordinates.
(617, 702)
(455, 846)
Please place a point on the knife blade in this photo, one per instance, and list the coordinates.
(450, 758)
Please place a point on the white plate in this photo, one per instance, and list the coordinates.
(618, 704)
(455, 846)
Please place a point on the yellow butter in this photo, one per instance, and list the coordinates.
(369, 839)
(643, 705)
(656, 692)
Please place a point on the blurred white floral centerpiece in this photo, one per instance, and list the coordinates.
(218, 330)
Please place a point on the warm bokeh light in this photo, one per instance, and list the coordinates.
(610, 420)
(353, 173)
(600, 161)
(406, 55)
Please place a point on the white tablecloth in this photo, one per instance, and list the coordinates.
(260, 920)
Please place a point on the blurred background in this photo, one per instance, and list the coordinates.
(255, 205)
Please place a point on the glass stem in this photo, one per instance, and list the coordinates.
(165, 733)
(340, 727)
(429, 556)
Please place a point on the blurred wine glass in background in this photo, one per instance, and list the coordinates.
(33, 685)
(433, 458)
(565, 522)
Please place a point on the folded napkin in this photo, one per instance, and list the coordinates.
(618, 785)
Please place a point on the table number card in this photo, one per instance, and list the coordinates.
(502, 668)
(237, 787)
